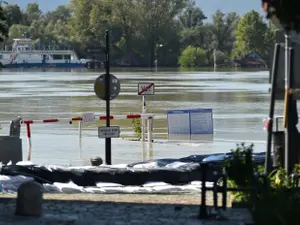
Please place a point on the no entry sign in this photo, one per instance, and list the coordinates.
(146, 89)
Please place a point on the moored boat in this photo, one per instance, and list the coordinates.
(23, 55)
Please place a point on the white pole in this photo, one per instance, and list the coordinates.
(215, 59)
(80, 129)
(143, 119)
(150, 126)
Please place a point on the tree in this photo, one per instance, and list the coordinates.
(223, 27)
(251, 35)
(13, 14)
(192, 16)
(80, 21)
(3, 25)
(32, 13)
(17, 31)
(154, 18)
(192, 57)
(62, 13)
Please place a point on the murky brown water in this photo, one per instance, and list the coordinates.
(240, 102)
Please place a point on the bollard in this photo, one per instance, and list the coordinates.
(29, 199)
(15, 127)
(203, 214)
(278, 148)
(96, 161)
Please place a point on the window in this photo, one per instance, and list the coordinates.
(57, 57)
(67, 57)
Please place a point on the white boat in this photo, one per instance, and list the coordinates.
(23, 55)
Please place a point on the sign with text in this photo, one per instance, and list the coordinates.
(88, 118)
(192, 121)
(146, 89)
(109, 132)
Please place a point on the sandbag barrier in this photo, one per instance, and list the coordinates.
(183, 174)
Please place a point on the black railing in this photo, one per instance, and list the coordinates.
(259, 184)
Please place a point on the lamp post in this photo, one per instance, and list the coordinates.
(156, 58)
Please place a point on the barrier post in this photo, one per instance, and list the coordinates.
(80, 128)
(143, 118)
(150, 129)
(28, 132)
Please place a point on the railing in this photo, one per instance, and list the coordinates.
(224, 189)
(86, 118)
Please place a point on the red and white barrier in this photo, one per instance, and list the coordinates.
(86, 118)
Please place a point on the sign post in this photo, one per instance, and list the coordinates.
(107, 96)
(107, 87)
(145, 89)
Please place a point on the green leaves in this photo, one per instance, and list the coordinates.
(253, 35)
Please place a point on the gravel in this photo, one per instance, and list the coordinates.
(121, 210)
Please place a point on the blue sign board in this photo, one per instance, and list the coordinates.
(192, 121)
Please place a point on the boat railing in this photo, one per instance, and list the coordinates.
(41, 50)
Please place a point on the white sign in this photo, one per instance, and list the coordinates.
(109, 132)
(146, 89)
(88, 118)
(192, 121)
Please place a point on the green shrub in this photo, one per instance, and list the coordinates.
(192, 57)
(137, 127)
(273, 202)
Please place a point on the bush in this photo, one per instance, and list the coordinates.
(192, 57)
(273, 202)
(137, 127)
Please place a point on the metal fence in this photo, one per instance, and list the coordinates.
(223, 188)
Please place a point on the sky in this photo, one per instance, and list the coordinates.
(208, 6)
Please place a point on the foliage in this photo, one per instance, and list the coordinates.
(137, 28)
(192, 57)
(3, 25)
(272, 200)
(137, 127)
(252, 34)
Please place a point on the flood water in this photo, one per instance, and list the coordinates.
(240, 102)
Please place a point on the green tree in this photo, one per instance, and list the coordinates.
(13, 14)
(155, 17)
(192, 57)
(62, 13)
(3, 25)
(17, 31)
(32, 13)
(80, 21)
(251, 35)
(223, 28)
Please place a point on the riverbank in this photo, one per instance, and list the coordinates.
(133, 209)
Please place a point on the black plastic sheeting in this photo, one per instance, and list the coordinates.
(127, 176)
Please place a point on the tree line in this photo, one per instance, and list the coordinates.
(142, 32)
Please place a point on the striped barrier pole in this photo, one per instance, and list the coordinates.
(81, 120)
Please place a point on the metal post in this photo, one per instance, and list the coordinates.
(143, 118)
(271, 110)
(107, 92)
(286, 100)
(203, 214)
(80, 129)
(150, 128)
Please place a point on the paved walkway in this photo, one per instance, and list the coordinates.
(59, 212)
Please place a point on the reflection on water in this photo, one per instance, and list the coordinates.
(191, 137)
(239, 100)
